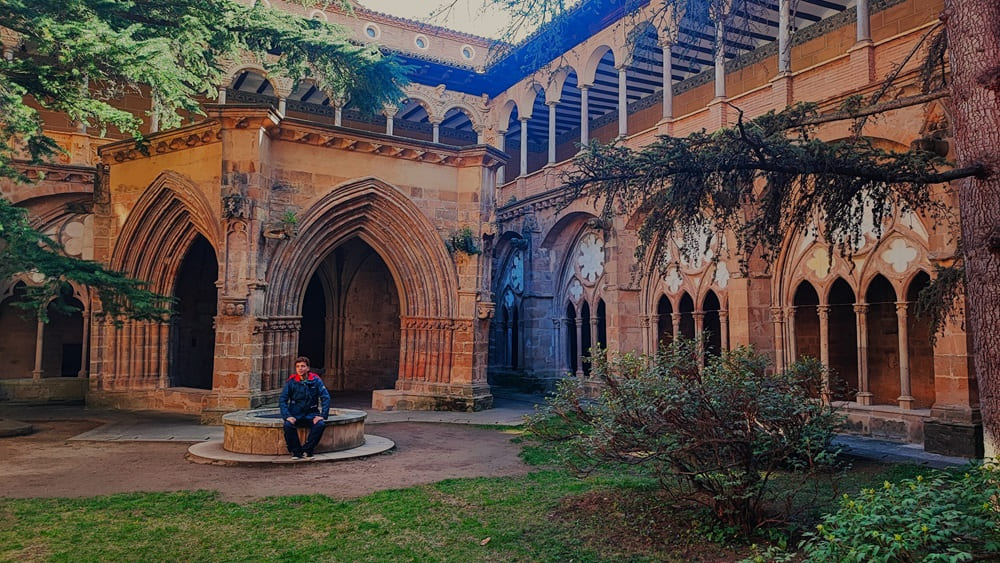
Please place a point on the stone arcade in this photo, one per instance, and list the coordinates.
(287, 224)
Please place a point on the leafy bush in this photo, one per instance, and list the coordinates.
(716, 435)
(943, 517)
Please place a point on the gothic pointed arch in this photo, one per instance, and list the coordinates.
(163, 224)
(386, 220)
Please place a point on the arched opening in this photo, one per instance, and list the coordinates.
(361, 309)
(62, 345)
(712, 325)
(571, 352)
(586, 336)
(664, 322)
(18, 327)
(312, 338)
(251, 87)
(883, 342)
(686, 309)
(843, 342)
(805, 303)
(918, 332)
(192, 334)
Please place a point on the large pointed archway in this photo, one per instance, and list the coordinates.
(438, 366)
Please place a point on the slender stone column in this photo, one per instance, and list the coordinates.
(502, 171)
(905, 393)
(83, 349)
(793, 349)
(593, 330)
(622, 102)
(584, 114)
(779, 349)
(222, 95)
(36, 373)
(724, 329)
(699, 328)
(552, 132)
(720, 59)
(668, 81)
(864, 22)
(154, 116)
(579, 346)
(861, 313)
(823, 311)
(338, 115)
(651, 324)
(281, 106)
(524, 144)
(436, 132)
(784, 37)
(676, 318)
(390, 115)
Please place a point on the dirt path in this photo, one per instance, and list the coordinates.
(46, 464)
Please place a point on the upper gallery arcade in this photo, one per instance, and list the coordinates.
(427, 252)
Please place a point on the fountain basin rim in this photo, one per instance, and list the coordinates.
(271, 418)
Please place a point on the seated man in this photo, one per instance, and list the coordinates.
(304, 402)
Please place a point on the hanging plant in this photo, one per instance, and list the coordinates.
(463, 240)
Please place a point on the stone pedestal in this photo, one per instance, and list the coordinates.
(949, 438)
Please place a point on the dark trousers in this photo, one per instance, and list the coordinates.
(292, 434)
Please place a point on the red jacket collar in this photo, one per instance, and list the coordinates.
(298, 378)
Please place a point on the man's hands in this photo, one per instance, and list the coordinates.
(316, 419)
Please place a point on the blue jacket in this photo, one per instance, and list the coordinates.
(304, 397)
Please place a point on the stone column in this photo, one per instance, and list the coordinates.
(720, 59)
(436, 132)
(861, 314)
(83, 349)
(524, 144)
(699, 328)
(579, 346)
(281, 106)
(779, 349)
(823, 311)
(390, 114)
(784, 37)
(222, 95)
(338, 115)
(668, 81)
(584, 114)
(676, 320)
(622, 102)
(905, 394)
(793, 352)
(593, 329)
(502, 171)
(724, 329)
(36, 374)
(650, 325)
(552, 131)
(864, 22)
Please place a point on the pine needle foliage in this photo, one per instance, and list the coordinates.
(81, 57)
(759, 181)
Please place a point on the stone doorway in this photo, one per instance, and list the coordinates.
(351, 320)
(192, 334)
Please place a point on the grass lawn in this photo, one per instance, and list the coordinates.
(548, 515)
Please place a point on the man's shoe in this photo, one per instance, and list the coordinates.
(307, 454)
(296, 455)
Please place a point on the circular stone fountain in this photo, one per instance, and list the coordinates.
(256, 436)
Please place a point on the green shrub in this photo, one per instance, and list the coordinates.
(941, 517)
(716, 435)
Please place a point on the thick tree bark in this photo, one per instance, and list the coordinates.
(974, 48)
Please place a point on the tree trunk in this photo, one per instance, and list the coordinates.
(974, 49)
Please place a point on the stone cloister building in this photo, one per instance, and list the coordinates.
(286, 223)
